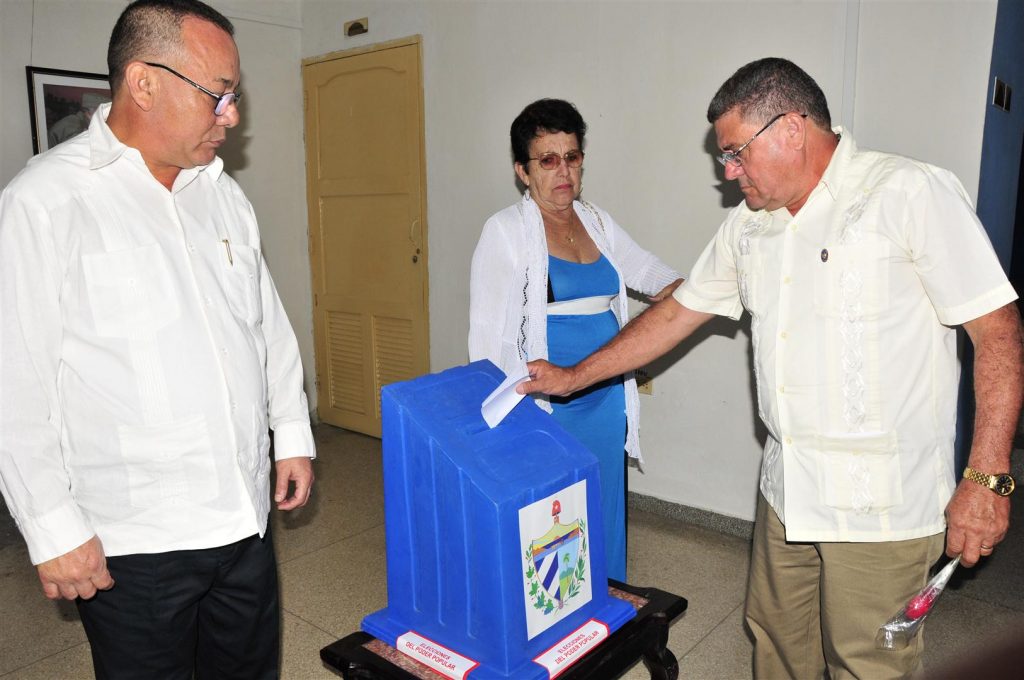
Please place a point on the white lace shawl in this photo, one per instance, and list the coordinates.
(508, 289)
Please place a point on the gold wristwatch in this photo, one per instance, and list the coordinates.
(1002, 484)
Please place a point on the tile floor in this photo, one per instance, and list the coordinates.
(332, 562)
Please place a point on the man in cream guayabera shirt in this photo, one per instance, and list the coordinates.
(144, 355)
(854, 266)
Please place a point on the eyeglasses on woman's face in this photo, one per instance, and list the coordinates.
(223, 100)
(550, 161)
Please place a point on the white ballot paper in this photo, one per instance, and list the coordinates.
(501, 401)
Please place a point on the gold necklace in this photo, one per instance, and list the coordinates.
(568, 235)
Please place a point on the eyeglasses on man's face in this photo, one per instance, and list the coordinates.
(223, 100)
(550, 161)
(733, 157)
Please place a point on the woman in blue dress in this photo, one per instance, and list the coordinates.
(549, 279)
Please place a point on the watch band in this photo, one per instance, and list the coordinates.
(1002, 484)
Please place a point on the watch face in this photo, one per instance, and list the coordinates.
(1004, 485)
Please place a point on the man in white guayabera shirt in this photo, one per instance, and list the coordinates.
(144, 355)
(854, 266)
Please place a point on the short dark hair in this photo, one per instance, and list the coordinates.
(544, 116)
(150, 29)
(767, 87)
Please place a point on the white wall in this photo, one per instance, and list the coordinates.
(49, 34)
(267, 156)
(265, 153)
(923, 72)
(15, 54)
(642, 74)
(910, 77)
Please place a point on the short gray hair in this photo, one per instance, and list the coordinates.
(767, 87)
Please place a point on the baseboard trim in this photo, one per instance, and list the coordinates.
(734, 526)
(684, 513)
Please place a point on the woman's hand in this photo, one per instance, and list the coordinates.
(666, 291)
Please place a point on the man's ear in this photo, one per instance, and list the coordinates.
(141, 83)
(796, 130)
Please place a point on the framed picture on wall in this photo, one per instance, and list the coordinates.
(61, 103)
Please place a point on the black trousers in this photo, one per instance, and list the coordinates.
(207, 614)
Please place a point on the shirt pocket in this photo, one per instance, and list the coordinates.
(860, 472)
(131, 291)
(851, 282)
(749, 272)
(240, 278)
(169, 464)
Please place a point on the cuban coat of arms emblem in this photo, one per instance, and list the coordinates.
(553, 535)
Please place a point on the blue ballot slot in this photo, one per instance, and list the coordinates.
(495, 549)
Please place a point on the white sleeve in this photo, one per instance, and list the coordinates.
(288, 407)
(34, 481)
(490, 283)
(642, 271)
(713, 286)
(952, 253)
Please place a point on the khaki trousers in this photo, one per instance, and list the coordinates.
(812, 606)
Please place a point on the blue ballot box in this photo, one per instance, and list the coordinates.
(495, 549)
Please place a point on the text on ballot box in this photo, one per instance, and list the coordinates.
(495, 549)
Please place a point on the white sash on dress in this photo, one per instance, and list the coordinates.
(597, 304)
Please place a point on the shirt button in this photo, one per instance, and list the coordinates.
(208, 300)
(786, 279)
(792, 227)
(782, 389)
(191, 247)
(789, 440)
(783, 335)
(224, 351)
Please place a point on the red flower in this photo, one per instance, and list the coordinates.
(920, 604)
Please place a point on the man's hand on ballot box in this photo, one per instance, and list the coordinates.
(546, 378)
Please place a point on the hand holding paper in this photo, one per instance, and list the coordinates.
(501, 401)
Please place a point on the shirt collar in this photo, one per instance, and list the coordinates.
(837, 165)
(105, 148)
(187, 175)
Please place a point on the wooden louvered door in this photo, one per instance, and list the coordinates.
(366, 190)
